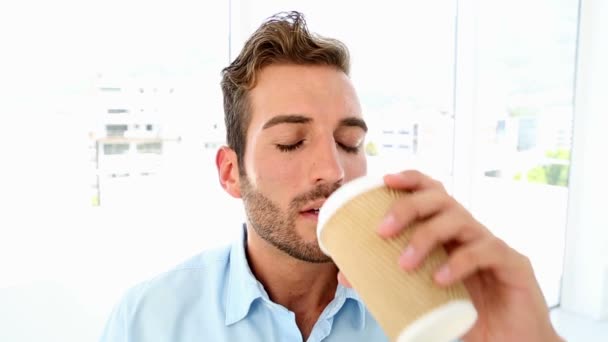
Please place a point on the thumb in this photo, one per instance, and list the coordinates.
(342, 280)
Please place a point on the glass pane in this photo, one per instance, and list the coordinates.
(525, 68)
(105, 171)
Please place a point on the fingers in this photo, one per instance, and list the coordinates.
(412, 180)
(448, 227)
(488, 253)
(413, 207)
(443, 221)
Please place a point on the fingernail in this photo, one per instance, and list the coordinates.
(391, 175)
(407, 260)
(443, 275)
(388, 225)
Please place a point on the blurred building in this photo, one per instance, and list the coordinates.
(129, 137)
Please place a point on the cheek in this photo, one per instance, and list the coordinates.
(355, 167)
(277, 173)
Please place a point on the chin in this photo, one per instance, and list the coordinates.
(307, 232)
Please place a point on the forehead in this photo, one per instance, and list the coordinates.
(320, 92)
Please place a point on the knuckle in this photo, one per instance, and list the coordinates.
(402, 209)
(445, 200)
(423, 236)
(461, 225)
(466, 257)
(500, 245)
(439, 185)
(525, 260)
(445, 233)
(415, 173)
(418, 211)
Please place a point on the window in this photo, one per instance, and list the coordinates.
(151, 147)
(523, 90)
(107, 187)
(111, 149)
(99, 188)
(116, 130)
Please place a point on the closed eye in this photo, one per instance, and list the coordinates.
(293, 147)
(349, 149)
(289, 148)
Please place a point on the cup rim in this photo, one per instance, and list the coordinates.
(461, 313)
(344, 194)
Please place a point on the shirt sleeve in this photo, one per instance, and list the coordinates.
(116, 329)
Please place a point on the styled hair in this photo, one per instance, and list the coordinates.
(282, 39)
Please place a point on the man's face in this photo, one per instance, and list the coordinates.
(305, 140)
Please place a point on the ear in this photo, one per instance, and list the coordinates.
(228, 171)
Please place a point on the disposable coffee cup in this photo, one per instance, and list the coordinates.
(409, 306)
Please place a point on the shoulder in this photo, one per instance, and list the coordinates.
(200, 279)
(204, 271)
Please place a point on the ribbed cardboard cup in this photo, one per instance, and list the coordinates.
(409, 306)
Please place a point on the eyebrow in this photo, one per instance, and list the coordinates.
(293, 119)
(354, 122)
(301, 119)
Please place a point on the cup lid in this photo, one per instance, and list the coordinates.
(345, 193)
(445, 323)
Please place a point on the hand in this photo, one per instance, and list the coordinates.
(501, 281)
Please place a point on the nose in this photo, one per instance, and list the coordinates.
(327, 164)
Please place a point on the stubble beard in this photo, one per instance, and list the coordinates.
(278, 227)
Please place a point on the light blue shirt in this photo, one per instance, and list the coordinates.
(215, 297)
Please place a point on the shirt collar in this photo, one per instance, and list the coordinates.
(350, 294)
(244, 288)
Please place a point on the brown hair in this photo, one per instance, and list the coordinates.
(282, 39)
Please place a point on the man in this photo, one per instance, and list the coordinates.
(295, 134)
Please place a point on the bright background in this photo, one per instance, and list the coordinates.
(111, 113)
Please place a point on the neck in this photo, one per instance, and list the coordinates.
(304, 288)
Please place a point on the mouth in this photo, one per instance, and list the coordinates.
(312, 214)
(311, 211)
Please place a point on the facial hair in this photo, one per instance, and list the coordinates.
(278, 227)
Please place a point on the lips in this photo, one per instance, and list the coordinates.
(312, 211)
(313, 207)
